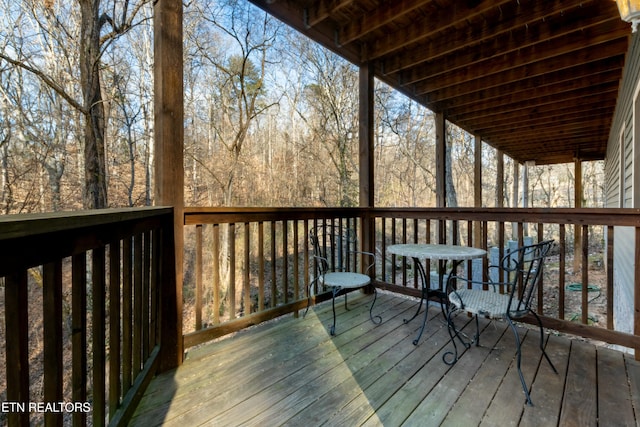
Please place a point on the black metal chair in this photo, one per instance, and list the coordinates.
(336, 257)
(509, 298)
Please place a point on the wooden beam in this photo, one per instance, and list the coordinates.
(526, 26)
(468, 81)
(636, 293)
(516, 192)
(441, 135)
(522, 68)
(366, 135)
(500, 179)
(438, 21)
(366, 138)
(564, 81)
(323, 9)
(555, 94)
(441, 171)
(555, 102)
(477, 187)
(516, 53)
(169, 168)
(578, 195)
(386, 13)
(477, 171)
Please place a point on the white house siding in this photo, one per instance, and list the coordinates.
(622, 169)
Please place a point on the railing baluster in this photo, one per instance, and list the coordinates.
(198, 307)
(156, 263)
(562, 264)
(274, 289)
(216, 274)
(247, 269)
(305, 261)
(393, 257)
(261, 262)
(404, 259)
(114, 327)
(231, 284)
(415, 267)
(383, 243)
(296, 262)
(17, 344)
(485, 246)
(137, 305)
(609, 269)
(540, 289)
(79, 334)
(285, 260)
(127, 314)
(471, 242)
(585, 274)
(52, 320)
(636, 287)
(146, 284)
(98, 327)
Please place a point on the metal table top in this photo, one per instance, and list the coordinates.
(435, 251)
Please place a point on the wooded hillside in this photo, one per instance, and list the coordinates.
(270, 117)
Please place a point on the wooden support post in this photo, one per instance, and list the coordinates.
(477, 187)
(441, 189)
(366, 138)
(499, 237)
(578, 204)
(636, 294)
(500, 179)
(441, 171)
(169, 168)
(525, 192)
(516, 192)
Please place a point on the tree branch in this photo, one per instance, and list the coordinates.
(46, 80)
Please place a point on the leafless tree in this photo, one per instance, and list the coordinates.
(84, 30)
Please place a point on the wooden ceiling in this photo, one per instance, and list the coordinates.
(536, 79)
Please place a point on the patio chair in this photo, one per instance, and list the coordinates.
(510, 299)
(336, 257)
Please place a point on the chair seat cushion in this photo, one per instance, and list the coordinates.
(345, 280)
(489, 304)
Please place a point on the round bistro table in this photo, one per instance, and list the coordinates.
(421, 251)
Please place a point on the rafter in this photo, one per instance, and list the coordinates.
(520, 74)
(430, 26)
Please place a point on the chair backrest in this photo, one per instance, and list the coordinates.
(525, 267)
(334, 248)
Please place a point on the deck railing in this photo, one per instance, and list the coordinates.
(250, 265)
(81, 312)
(106, 271)
(585, 246)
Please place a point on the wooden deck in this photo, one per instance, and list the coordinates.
(291, 372)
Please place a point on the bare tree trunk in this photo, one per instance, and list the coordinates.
(6, 193)
(95, 191)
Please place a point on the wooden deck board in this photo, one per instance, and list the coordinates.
(579, 407)
(292, 372)
(612, 378)
(477, 396)
(434, 406)
(548, 388)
